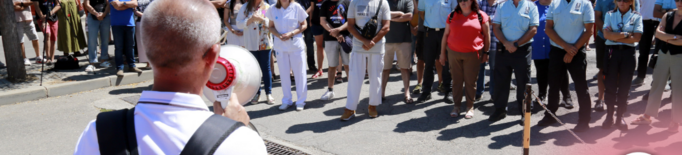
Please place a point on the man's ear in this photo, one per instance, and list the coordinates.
(211, 55)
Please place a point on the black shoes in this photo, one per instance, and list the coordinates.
(607, 123)
(568, 103)
(499, 114)
(547, 121)
(581, 127)
(423, 98)
(599, 105)
(478, 98)
(621, 125)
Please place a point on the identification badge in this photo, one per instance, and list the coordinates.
(361, 10)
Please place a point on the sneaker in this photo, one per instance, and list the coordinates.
(135, 69)
(339, 79)
(119, 73)
(255, 99)
(105, 64)
(372, 111)
(328, 95)
(284, 106)
(299, 107)
(568, 103)
(271, 100)
(499, 114)
(40, 60)
(27, 62)
(90, 68)
(599, 105)
(638, 81)
(417, 89)
(347, 114)
(478, 98)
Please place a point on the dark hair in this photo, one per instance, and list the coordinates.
(279, 4)
(474, 7)
(249, 5)
(232, 6)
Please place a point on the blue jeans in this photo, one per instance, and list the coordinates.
(123, 43)
(480, 83)
(263, 58)
(101, 28)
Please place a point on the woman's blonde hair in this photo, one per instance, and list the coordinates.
(632, 6)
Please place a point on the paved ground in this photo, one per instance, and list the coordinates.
(53, 125)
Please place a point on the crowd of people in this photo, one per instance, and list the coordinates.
(456, 39)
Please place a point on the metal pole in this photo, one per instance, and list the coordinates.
(526, 122)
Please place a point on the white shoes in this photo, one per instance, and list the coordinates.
(27, 62)
(105, 64)
(299, 107)
(328, 95)
(285, 106)
(90, 69)
(40, 60)
(271, 100)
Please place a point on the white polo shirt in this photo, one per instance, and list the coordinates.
(165, 129)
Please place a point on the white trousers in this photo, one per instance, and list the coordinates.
(294, 61)
(374, 63)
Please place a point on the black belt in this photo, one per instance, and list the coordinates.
(433, 29)
(620, 47)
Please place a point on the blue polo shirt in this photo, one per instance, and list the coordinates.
(515, 21)
(666, 4)
(541, 45)
(122, 18)
(436, 12)
(570, 19)
(605, 6)
(630, 22)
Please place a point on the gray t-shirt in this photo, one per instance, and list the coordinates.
(362, 11)
(400, 30)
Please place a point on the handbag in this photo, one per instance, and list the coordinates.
(370, 29)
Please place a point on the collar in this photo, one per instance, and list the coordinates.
(174, 99)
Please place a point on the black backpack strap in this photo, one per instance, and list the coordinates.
(209, 136)
(116, 132)
(378, 9)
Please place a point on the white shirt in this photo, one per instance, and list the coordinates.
(165, 129)
(648, 9)
(257, 35)
(363, 11)
(287, 20)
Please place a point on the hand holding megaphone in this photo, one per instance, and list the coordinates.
(236, 72)
(233, 111)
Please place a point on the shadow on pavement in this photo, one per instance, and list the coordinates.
(130, 90)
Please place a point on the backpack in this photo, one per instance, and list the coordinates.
(370, 29)
(67, 62)
(116, 134)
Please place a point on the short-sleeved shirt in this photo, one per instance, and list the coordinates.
(490, 10)
(515, 21)
(316, 12)
(541, 45)
(466, 32)
(362, 11)
(23, 15)
(666, 4)
(630, 22)
(400, 30)
(436, 11)
(122, 18)
(45, 7)
(648, 10)
(287, 20)
(605, 6)
(335, 13)
(570, 19)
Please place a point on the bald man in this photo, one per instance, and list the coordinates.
(180, 38)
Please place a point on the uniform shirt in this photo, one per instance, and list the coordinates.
(398, 29)
(648, 10)
(362, 11)
(541, 45)
(436, 12)
(122, 18)
(23, 15)
(666, 4)
(515, 21)
(570, 19)
(256, 35)
(165, 129)
(605, 6)
(287, 20)
(630, 22)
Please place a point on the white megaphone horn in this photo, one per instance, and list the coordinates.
(236, 70)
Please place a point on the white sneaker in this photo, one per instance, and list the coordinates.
(299, 107)
(285, 106)
(271, 100)
(40, 60)
(328, 95)
(27, 62)
(105, 64)
(90, 68)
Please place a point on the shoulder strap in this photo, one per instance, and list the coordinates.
(452, 14)
(116, 132)
(378, 9)
(206, 140)
(480, 18)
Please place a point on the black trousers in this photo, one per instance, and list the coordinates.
(309, 40)
(620, 65)
(431, 53)
(505, 64)
(557, 75)
(645, 46)
(542, 67)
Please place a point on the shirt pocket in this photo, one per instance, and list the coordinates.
(506, 20)
(576, 17)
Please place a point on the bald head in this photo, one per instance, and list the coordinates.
(177, 32)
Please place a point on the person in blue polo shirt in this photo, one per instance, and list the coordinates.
(123, 28)
(574, 20)
(515, 23)
(622, 28)
(435, 13)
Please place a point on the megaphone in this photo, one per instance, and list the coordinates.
(236, 70)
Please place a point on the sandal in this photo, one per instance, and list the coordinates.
(673, 127)
(408, 100)
(641, 120)
(455, 112)
(469, 114)
(318, 74)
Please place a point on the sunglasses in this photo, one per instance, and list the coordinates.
(460, 1)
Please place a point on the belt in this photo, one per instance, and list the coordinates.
(433, 29)
(619, 47)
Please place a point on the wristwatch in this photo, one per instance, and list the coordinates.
(626, 34)
(516, 44)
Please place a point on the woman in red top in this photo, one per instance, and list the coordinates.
(465, 46)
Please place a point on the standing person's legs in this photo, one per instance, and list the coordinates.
(456, 62)
(625, 73)
(645, 49)
(577, 69)
(93, 32)
(480, 82)
(332, 51)
(263, 57)
(104, 27)
(430, 52)
(129, 42)
(557, 66)
(503, 73)
(296, 61)
(676, 76)
(118, 33)
(521, 68)
(419, 52)
(51, 30)
(405, 65)
(660, 78)
(542, 75)
(267, 80)
(319, 42)
(285, 64)
(358, 61)
(471, 65)
(391, 49)
(491, 64)
(601, 49)
(376, 66)
(33, 36)
(310, 50)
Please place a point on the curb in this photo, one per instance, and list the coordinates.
(40, 92)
